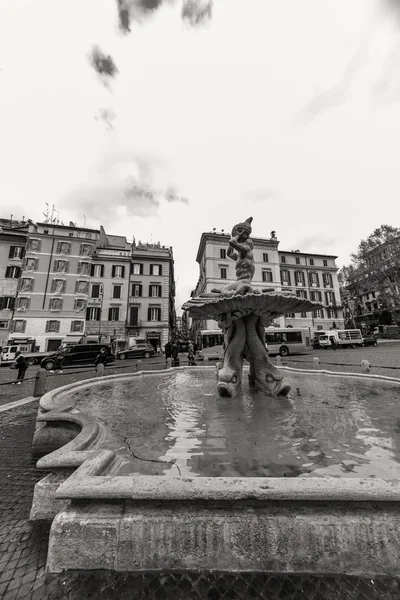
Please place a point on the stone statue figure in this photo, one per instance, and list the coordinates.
(243, 312)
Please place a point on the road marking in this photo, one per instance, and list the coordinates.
(17, 403)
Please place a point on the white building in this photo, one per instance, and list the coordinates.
(311, 276)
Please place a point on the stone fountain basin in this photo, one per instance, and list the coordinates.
(105, 520)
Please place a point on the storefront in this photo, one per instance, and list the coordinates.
(154, 338)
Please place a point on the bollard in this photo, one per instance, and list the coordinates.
(366, 367)
(317, 362)
(169, 363)
(278, 361)
(138, 365)
(40, 383)
(100, 370)
(206, 361)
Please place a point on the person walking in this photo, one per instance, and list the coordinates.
(191, 357)
(59, 360)
(21, 364)
(333, 343)
(101, 358)
(175, 355)
(168, 351)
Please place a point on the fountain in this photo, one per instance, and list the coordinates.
(243, 312)
(155, 471)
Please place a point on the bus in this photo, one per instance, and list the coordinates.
(210, 344)
(285, 341)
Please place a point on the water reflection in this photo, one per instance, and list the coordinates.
(177, 424)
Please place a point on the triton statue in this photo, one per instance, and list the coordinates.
(243, 312)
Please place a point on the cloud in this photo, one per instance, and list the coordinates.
(135, 10)
(104, 65)
(124, 184)
(107, 115)
(258, 195)
(197, 12)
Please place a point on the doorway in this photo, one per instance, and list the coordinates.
(53, 345)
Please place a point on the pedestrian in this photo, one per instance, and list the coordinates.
(168, 351)
(333, 342)
(191, 356)
(101, 358)
(59, 360)
(175, 355)
(21, 364)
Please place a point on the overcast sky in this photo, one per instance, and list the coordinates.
(288, 111)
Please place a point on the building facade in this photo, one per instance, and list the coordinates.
(311, 276)
(67, 284)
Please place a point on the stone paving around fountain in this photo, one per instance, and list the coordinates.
(23, 552)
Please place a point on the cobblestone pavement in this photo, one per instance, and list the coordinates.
(23, 551)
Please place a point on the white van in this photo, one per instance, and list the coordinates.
(8, 353)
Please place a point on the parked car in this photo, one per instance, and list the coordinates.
(137, 351)
(77, 355)
(370, 340)
(315, 343)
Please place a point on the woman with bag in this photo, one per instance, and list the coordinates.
(21, 364)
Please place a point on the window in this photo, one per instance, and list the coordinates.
(88, 235)
(330, 297)
(316, 296)
(285, 278)
(4, 324)
(96, 288)
(133, 316)
(303, 315)
(61, 266)
(22, 303)
(136, 290)
(311, 261)
(57, 286)
(332, 313)
(77, 326)
(223, 271)
(117, 291)
(82, 287)
(7, 303)
(16, 252)
(265, 257)
(319, 314)
(93, 313)
(155, 291)
(301, 294)
(314, 279)
(327, 279)
(13, 272)
(26, 284)
(297, 260)
(83, 268)
(97, 271)
(325, 262)
(35, 245)
(52, 326)
(283, 259)
(80, 305)
(299, 278)
(31, 264)
(55, 304)
(290, 315)
(266, 276)
(113, 313)
(137, 269)
(63, 248)
(18, 326)
(222, 253)
(155, 270)
(154, 313)
(86, 250)
(118, 271)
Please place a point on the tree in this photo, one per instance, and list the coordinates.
(375, 268)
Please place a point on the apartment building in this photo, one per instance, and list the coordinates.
(50, 307)
(12, 251)
(311, 276)
(151, 301)
(106, 312)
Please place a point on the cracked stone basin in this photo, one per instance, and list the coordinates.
(174, 423)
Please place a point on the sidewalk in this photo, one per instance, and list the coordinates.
(23, 552)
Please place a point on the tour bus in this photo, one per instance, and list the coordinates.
(210, 343)
(287, 340)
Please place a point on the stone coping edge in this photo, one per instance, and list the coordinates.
(60, 398)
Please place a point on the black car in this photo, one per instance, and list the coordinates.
(137, 351)
(370, 340)
(77, 355)
(315, 343)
